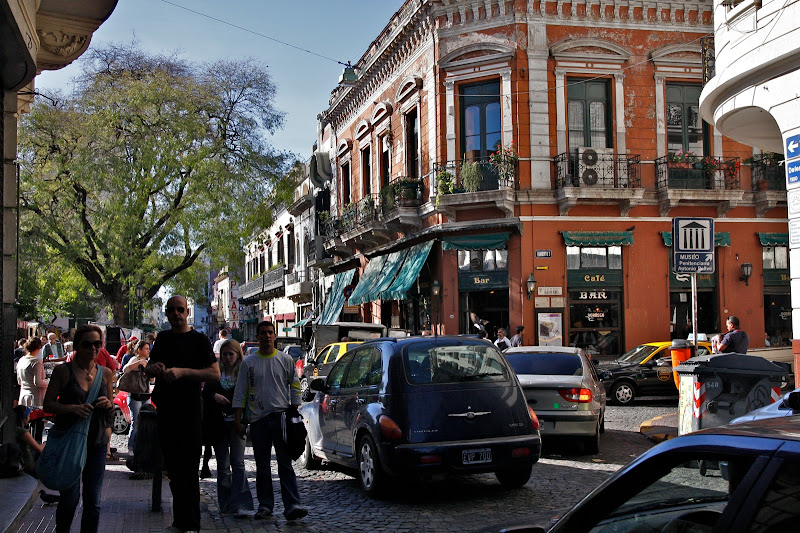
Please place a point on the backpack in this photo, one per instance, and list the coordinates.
(10, 460)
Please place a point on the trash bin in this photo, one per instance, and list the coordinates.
(715, 389)
(681, 350)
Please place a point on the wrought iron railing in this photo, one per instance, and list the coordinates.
(708, 172)
(708, 57)
(476, 175)
(610, 171)
(298, 276)
(768, 172)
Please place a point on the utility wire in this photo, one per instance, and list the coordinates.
(256, 33)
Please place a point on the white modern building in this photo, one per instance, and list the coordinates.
(754, 98)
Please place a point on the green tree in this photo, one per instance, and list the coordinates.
(150, 163)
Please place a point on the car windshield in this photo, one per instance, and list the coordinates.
(638, 354)
(449, 362)
(546, 363)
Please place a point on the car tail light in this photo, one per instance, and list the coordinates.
(534, 418)
(520, 452)
(430, 459)
(390, 429)
(576, 395)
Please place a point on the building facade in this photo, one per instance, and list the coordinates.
(495, 164)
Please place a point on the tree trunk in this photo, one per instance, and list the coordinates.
(118, 300)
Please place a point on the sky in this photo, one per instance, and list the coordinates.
(340, 30)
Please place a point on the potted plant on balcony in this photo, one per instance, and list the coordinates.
(504, 160)
(406, 189)
(681, 159)
(471, 177)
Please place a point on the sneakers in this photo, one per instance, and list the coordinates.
(296, 513)
(262, 514)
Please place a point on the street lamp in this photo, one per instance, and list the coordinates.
(531, 283)
(747, 271)
(140, 289)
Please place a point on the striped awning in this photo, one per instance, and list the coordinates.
(773, 239)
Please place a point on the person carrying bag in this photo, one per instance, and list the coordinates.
(74, 457)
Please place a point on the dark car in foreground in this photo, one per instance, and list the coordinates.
(743, 477)
(423, 407)
(646, 370)
(563, 388)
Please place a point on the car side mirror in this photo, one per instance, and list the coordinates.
(318, 384)
(793, 401)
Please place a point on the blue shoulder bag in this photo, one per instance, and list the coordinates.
(64, 455)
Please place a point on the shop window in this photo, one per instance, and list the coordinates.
(588, 114)
(594, 257)
(775, 257)
(482, 260)
(685, 127)
(595, 318)
(481, 122)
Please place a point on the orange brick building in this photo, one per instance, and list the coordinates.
(479, 145)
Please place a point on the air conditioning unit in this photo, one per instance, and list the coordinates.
(596, 167)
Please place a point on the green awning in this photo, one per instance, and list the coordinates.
(394, 261)
(493, 241)
(300, 324)
(774, 239)
(370, 275)
(598, 238)
(417, 256)
(721, 238)
(333, 307)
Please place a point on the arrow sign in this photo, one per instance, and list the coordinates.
(693, 245)
(792, 147)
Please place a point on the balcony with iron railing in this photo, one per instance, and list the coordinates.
(598, 176)
(769, 181)
(299, 285)
(683, 177)
(469, 183)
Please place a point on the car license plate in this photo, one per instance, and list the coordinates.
(474, 457)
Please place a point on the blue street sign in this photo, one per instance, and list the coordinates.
(792, 147)
(693, 245)
(792, 172)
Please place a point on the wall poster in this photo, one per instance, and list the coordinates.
(549, 327)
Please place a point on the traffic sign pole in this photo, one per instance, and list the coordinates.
(694, 308)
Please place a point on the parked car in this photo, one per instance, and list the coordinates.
(294, 350)
(643, 371)
(320, 366)
(562, 386)
(737, 478)
(424, 407)
(789, 405)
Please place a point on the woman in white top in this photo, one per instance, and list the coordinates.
(30, 375)
(136, 401)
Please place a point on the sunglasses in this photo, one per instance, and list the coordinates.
(89, 344)
(172, 309)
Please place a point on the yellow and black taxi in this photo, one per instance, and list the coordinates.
(319, 366)
(646, 370)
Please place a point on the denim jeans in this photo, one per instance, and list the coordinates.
(266, 433)
(92, 478)
(233, 492)
(134, 406)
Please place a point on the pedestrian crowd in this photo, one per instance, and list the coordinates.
(203, 394)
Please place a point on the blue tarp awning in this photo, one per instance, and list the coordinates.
(394, 261)
(371, 274)
(333, 307)
(417, 256)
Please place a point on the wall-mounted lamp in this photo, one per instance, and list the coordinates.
(436, 289)
(747, 271)
(531, 284)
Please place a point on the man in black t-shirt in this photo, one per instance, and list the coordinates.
(181, 360)
(736, 340)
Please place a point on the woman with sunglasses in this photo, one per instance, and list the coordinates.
(66, 399)
(233, 492)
